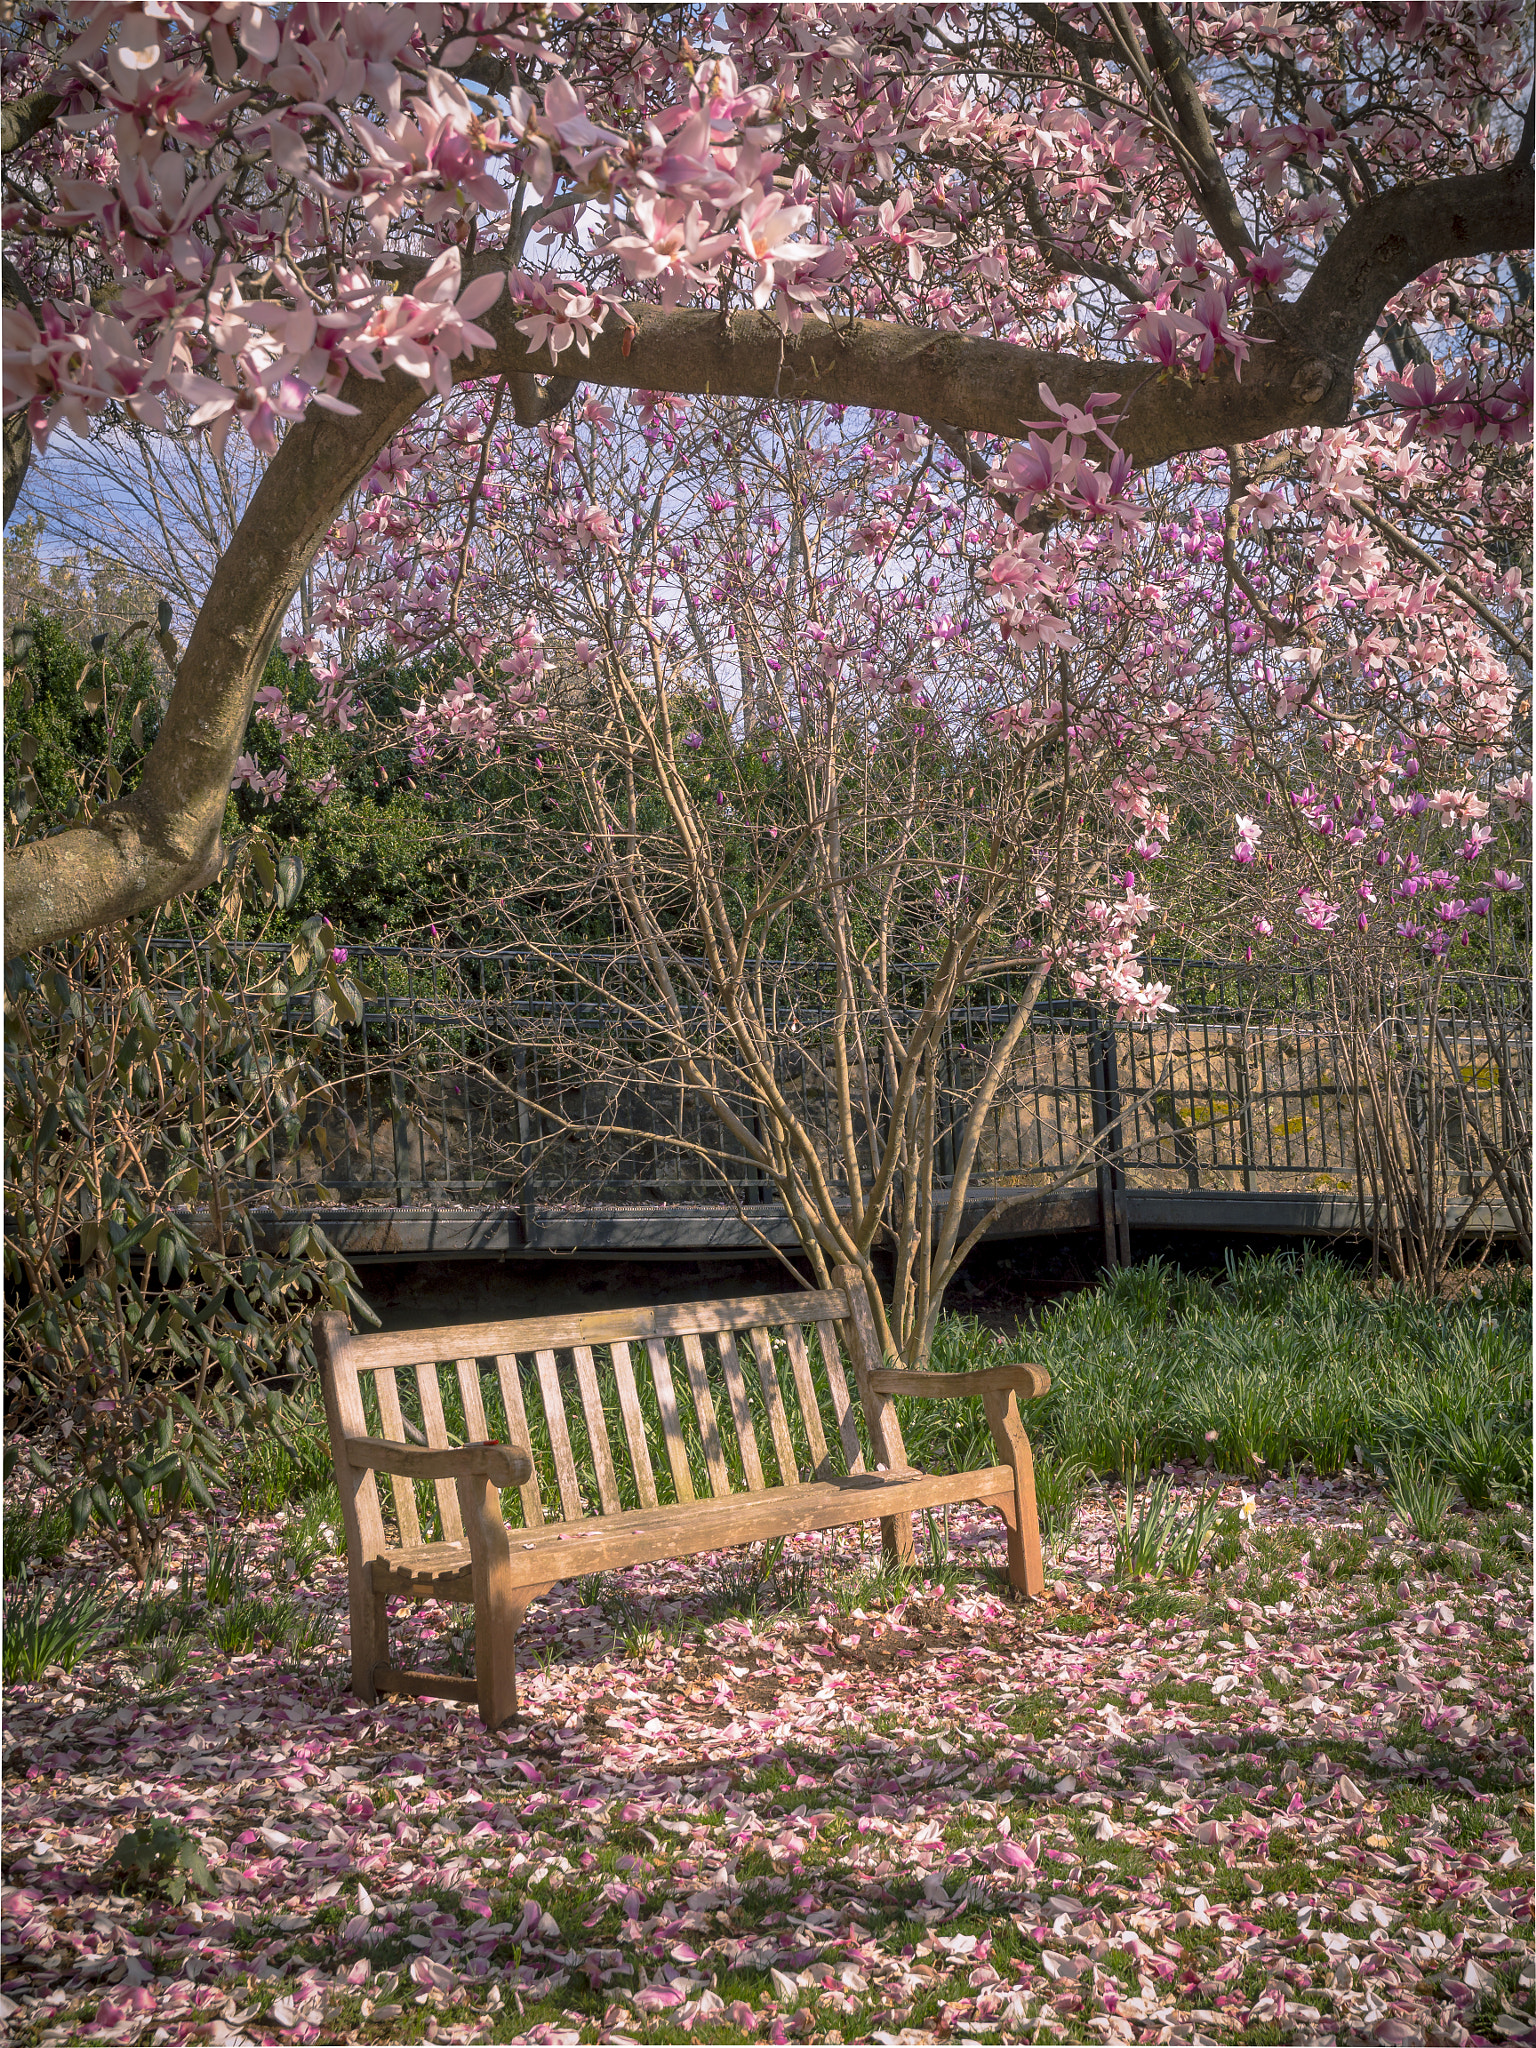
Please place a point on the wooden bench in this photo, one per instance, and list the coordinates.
(642, 1382)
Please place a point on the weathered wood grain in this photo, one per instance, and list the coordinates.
(634, 1422)
(1029, 1382)
(559, 1437)
(437, 1437)
(704, 1409)
(392, 1422)
(502, 1570)
(510, 1381)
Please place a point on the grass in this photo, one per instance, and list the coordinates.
(1161, 1541)
(1280, 1361)
(34, 1536)
(47, 1625)
(1421, 1499)
(226, 1569)
(314, 1533)
(251, 1622)
(1284, 1360)
(758, 1579)
(1276, 1362)
(1059, 1484)
(274, 1474)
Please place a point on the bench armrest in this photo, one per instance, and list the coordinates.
(501, 1464)
(1029, 1382)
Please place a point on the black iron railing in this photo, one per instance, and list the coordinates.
(485, 1078)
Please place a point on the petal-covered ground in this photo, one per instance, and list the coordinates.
(1287, 1802)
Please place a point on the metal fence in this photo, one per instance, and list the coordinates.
(489, 1078)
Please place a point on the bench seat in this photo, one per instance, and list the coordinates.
(629, 1437)
(607, 1543)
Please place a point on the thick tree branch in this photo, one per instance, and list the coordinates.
(1207, 170)
(164, 839)
(1301, 374)
(18, 435)
(22, 119)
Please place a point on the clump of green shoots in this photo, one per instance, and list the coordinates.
(1421, 1498)
(1162, 1541)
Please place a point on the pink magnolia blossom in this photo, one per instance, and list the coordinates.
(1314, 909)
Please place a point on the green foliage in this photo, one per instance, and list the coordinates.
(152, 1104)
(1282, 1360)
(1421, 1498)
(172, 1660)
(389, 846)
(78, 720)
(1059, 1486)
(164, 1623)
(315, 1533)
(160, 1858)
(34, 1535)
(1160, 1540)
(226, 1570)
(251, 1620)
(1458, 1420)
(298, 1468)
(46, 1626)
(757, 1579)
(1286, 1360)
(306, 1632)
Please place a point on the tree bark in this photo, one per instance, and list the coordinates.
(165, 837)
(17, 434)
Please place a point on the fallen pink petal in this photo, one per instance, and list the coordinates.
(874, 1813)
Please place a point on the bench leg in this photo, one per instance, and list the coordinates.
(500, 1604)
(496, 1653)
(369, 1620)
(1026, 1568)
(496, 1663)
(896, 1539)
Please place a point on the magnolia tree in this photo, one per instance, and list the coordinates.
(778, 688)
(1268, 247)
(769, 721)
(1147, 398)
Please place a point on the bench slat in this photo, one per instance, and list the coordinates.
(671, 1421)
(500, 1570)
(517, 1423)
(559, 1438)
(597, 1430)
(437, 1439)
(404, 1490)
(475, 1428)
(436, 1571)
(741, 1411)
(842, 1400)
(778, 1421)
(634, 1423)
(805, 1386)
(704, 1407)
(599, 1326)
(646, 1535)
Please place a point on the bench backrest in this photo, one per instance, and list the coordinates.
(624, 1408)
